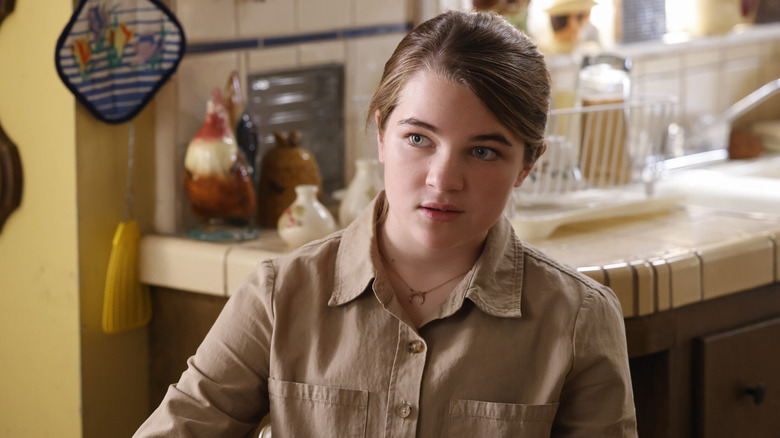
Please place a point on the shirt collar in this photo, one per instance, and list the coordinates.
(494, 285)
(358, 255)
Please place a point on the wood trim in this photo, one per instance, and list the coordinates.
(665, 330)
(6, 7)
(10, 161)
(11, 180)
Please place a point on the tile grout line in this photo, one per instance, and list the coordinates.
(288, 40)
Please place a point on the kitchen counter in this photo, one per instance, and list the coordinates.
(653, 262)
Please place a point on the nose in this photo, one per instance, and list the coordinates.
(445, 172)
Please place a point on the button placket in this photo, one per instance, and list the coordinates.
(406, 383)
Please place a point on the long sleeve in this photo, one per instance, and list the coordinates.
(223, 392)
(597, 398)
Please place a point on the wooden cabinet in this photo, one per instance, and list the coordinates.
(738, 388)
(180, 321)
(690, 367)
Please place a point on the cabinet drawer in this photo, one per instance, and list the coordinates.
(738, 391)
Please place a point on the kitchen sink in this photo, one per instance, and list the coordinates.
(766, 167)
(739, 185)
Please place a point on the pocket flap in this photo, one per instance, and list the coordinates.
(503, 411)
(323, 394)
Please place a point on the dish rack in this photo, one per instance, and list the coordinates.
(602, 158)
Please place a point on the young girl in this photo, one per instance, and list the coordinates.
(427, 316)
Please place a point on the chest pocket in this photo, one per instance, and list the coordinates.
(300, 409)
(471, 418)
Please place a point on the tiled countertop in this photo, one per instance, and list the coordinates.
(653, 262)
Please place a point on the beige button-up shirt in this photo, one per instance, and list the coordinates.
(523, 347)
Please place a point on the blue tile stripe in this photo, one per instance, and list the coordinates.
(288, 40)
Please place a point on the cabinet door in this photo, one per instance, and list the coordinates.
(739, 383)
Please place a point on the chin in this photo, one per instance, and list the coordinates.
(443, 241)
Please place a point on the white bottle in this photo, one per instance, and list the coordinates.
(306, 219)
(361, 190)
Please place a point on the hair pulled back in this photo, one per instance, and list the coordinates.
(482, 51)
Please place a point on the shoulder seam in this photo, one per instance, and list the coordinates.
(570, 271)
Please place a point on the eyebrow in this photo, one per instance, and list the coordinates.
(416, 122)
(498, 138)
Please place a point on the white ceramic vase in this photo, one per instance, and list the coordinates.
(306, 219)
(366, 183)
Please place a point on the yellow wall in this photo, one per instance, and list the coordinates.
(114, 367)
(39, 278)
(59, 374)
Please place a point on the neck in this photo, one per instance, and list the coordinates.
(413, 260)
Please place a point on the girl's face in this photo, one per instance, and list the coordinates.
(449, 165)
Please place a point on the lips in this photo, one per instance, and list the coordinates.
(440, 212)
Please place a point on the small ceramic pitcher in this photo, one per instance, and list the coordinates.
(306, 219)
(361, 190)
(284, 167)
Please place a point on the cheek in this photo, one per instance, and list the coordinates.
(494, 189)
(397, 159)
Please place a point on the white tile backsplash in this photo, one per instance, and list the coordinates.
(663, 64)
(322, 53)
(700, 98)
(741, 77)
(665, 84)
(207, 20)
(707, 58)
(319, 15)
(269, 17)
(770, 110)
(360, 140)
(369, 56)
(743, 51)
(271, 59)
(368, 12)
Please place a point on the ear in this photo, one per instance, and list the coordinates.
(380, 138)
(526, 170)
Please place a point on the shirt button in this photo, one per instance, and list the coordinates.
(415, 347)
(404, 410)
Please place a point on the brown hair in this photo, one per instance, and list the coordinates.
(501, 65)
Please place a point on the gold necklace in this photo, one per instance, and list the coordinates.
(420, 293)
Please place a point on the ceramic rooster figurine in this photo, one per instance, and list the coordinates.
(216, 175)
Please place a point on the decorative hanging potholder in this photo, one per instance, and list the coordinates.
(115, 54)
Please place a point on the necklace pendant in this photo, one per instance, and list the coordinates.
(418, 294)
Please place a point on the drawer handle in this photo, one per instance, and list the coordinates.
(758, 393)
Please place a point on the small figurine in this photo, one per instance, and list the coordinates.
(515, 11)
(568, 18)
(216, 175)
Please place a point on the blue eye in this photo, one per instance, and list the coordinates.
(416, 139)
(484, 153)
